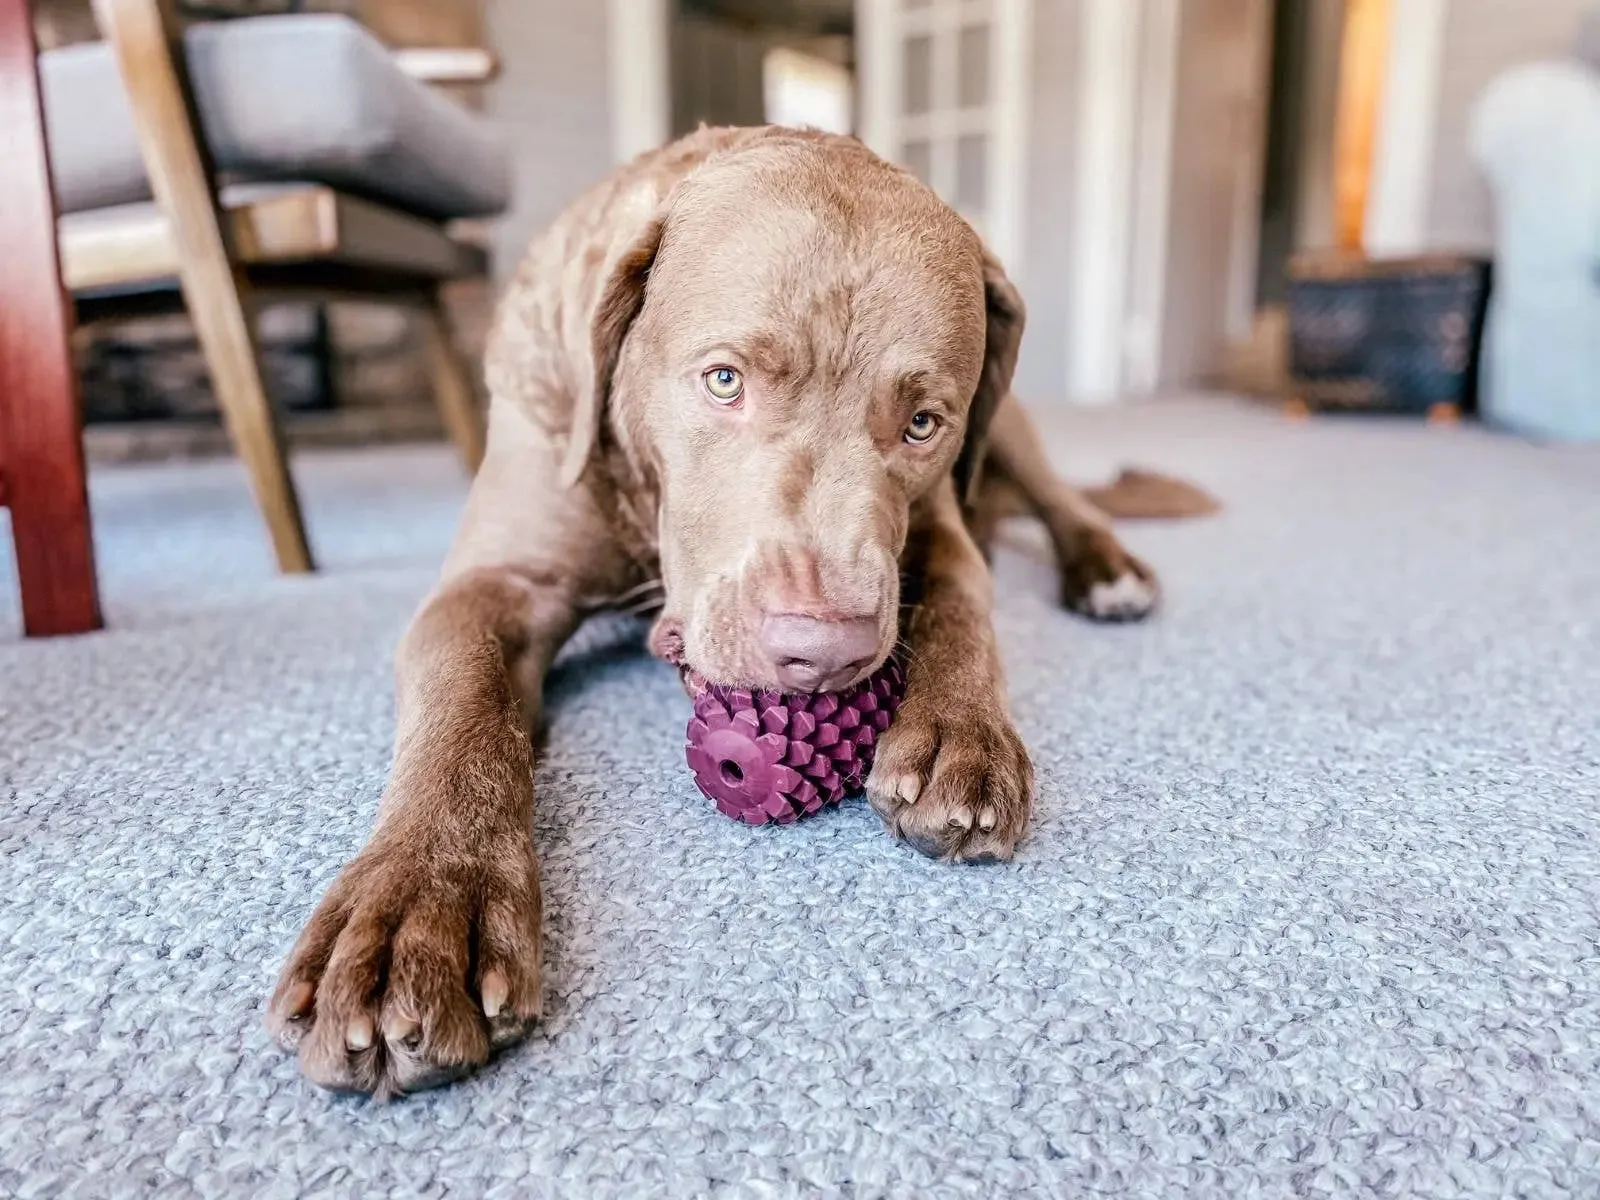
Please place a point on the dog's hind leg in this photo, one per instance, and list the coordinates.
(1099, 578)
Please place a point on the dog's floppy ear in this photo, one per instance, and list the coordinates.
(619, 303)
(1006, 316)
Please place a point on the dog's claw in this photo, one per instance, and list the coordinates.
(494, 992)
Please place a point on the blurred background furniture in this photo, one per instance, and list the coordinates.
(232, 164)
(41, 447)
(1536, 134)
(1386, 334)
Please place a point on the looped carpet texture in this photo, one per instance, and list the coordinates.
(1310, 905)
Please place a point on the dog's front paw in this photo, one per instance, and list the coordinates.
(419, 961)
(1100, 579)
(952, 778)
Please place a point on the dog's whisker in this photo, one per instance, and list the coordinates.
(639, 589)
(905, 653)
(635, 601)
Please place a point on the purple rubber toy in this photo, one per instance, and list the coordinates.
(763, 756)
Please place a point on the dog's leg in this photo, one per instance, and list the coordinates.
(1099, 578)
(425, 953)
(998, 498)
(951, 775)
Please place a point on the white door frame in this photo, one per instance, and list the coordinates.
(1013, 85)
(877, 59)
(1127, 94)
(1107, 171)
(639, 70)
(1408, 126)
(1139, 361)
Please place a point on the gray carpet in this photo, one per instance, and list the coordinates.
(1311, 905)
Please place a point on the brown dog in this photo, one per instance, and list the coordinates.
(746, 382)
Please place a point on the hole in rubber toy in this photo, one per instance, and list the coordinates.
(764, 755)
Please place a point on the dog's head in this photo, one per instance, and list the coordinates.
(799, 346)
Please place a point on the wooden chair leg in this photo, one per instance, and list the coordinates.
(41, 435)
(147, 41)
(452, 384)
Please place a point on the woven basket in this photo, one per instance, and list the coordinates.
(1397, 334)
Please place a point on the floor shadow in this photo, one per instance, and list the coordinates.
(600, 644)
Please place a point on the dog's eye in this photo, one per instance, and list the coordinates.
(725, 384)
(922, 428)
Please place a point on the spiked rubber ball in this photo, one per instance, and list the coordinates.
(765, 756)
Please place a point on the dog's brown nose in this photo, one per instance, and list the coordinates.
(812, 655)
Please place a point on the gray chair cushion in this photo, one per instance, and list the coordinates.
(310, 97)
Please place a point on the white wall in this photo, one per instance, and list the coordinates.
(1146, 136)
(1426, 193)
(1045, 274)
(1483, 38)
(552, 102)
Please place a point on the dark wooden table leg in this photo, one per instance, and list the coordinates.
(41, 429)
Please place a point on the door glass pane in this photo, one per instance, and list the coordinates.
(918, 75)
(972, 69)
(972, 171)
(918, 159)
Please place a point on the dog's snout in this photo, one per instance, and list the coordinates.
(809, 654)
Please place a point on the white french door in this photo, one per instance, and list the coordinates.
(944, 87)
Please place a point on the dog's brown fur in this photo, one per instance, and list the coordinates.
(850, 297)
